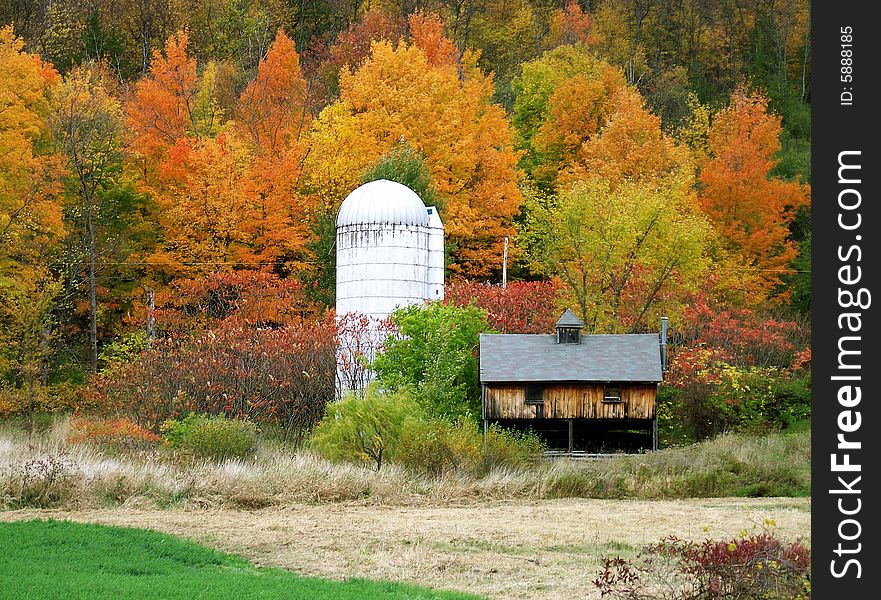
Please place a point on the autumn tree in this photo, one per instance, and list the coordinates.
(751, 209)
(533, 88)
(29, 216)
(272, 107)
(620, 35)
(87, 124)
(172, 102)
(207, 207)
(31, 225)
(427, 32)
(273, 118)
(227, 189)
(569, 25)
(451, 120)
(625, 253)
(504, 32)
(578, 118)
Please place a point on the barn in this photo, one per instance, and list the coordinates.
(578, 392)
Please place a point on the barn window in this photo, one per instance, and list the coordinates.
(534, 394)
(612, 393)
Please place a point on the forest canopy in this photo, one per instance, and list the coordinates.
(642, 158)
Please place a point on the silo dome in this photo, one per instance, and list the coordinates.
(382, 202)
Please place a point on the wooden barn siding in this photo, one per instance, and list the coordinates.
(508, 402)
(571, 402)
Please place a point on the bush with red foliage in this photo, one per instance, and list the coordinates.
(733, 368)
(753, 566)
(283, 375)
(114, 433)
(521, 307)
(710, 334)
(246, 345)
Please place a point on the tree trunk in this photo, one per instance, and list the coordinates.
(45, 350)
(93, 292)
(30, 406)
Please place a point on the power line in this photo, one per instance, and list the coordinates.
(283, 263)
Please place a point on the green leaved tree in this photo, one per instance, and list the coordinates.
(433, 354)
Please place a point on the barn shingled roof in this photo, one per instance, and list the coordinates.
(607, 357)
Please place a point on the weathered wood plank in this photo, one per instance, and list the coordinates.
(572, 401)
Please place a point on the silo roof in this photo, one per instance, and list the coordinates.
(382, 202)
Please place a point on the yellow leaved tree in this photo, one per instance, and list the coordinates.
(422, 93)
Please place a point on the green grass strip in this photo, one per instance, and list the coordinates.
(65, 560)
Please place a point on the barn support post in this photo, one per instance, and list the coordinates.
(483, 412)
(571, 435)
(654, 434)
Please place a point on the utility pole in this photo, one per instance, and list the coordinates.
(505, 265)
(150, 302)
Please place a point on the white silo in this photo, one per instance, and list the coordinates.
(389, 253)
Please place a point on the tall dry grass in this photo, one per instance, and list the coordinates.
(44, 471)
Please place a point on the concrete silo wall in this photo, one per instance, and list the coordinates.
(381, 267)
(435, 290)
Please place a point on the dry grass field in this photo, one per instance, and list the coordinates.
(534, 533)
(537, 549)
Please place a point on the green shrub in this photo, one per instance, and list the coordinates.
(427, 447)
(397, 428)
(510, 448)
(673, 429)
(433, 354)
(434, 446)
(792, 401)
(743, 399)
(364, 429)
(217, 437)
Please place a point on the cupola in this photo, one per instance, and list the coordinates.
(569, 328)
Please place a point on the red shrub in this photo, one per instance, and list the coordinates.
(283, 375)
(708, 334)
(119, 433)
(754, 566)
(522, 307)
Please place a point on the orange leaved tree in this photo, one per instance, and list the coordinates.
(751, 209)
(579, 119)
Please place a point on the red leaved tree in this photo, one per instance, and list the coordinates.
(522, 307)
